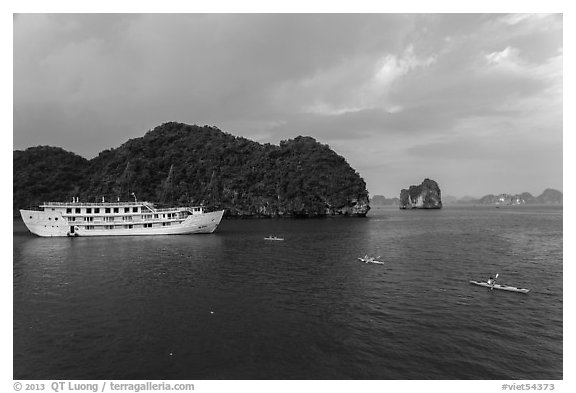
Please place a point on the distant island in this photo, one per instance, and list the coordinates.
(548, 197)
(182, 164)
(381, 200)
(426, 195)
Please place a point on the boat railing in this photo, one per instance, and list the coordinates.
(149, 205)
(192, 209)
(90, 204)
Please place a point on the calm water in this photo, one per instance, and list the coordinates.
(233, 306)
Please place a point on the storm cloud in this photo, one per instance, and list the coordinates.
(471, 100)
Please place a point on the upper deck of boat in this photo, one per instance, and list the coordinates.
(127, 204)
(95, 204)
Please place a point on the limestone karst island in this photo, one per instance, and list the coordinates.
(424, 196)
(187, 165)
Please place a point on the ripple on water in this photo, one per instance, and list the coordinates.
(233, 306)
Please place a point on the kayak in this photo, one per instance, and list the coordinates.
(370, 260)
(498, 286)
(274, 238)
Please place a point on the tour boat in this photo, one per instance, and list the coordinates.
(117, 219)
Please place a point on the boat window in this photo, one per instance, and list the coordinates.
(135, 210)
(77, 210)
(68, 210)
(107, 210)
(126, 210)
(116, 210)
(88, 210)
(96, 210)
(56, 219)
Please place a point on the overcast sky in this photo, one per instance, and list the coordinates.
(471, 101)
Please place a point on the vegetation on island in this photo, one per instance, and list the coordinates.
(180, 164)
(46, 173)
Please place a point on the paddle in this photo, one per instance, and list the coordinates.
(494, 282)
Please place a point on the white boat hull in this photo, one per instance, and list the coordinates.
(53, 224)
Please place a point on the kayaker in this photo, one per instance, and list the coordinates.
(492, 281)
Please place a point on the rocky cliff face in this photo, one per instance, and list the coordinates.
(357, 207)
(424, 196)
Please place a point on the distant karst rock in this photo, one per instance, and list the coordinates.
(381, 200)
(550, 196)
(506, 199)
(424, 196)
